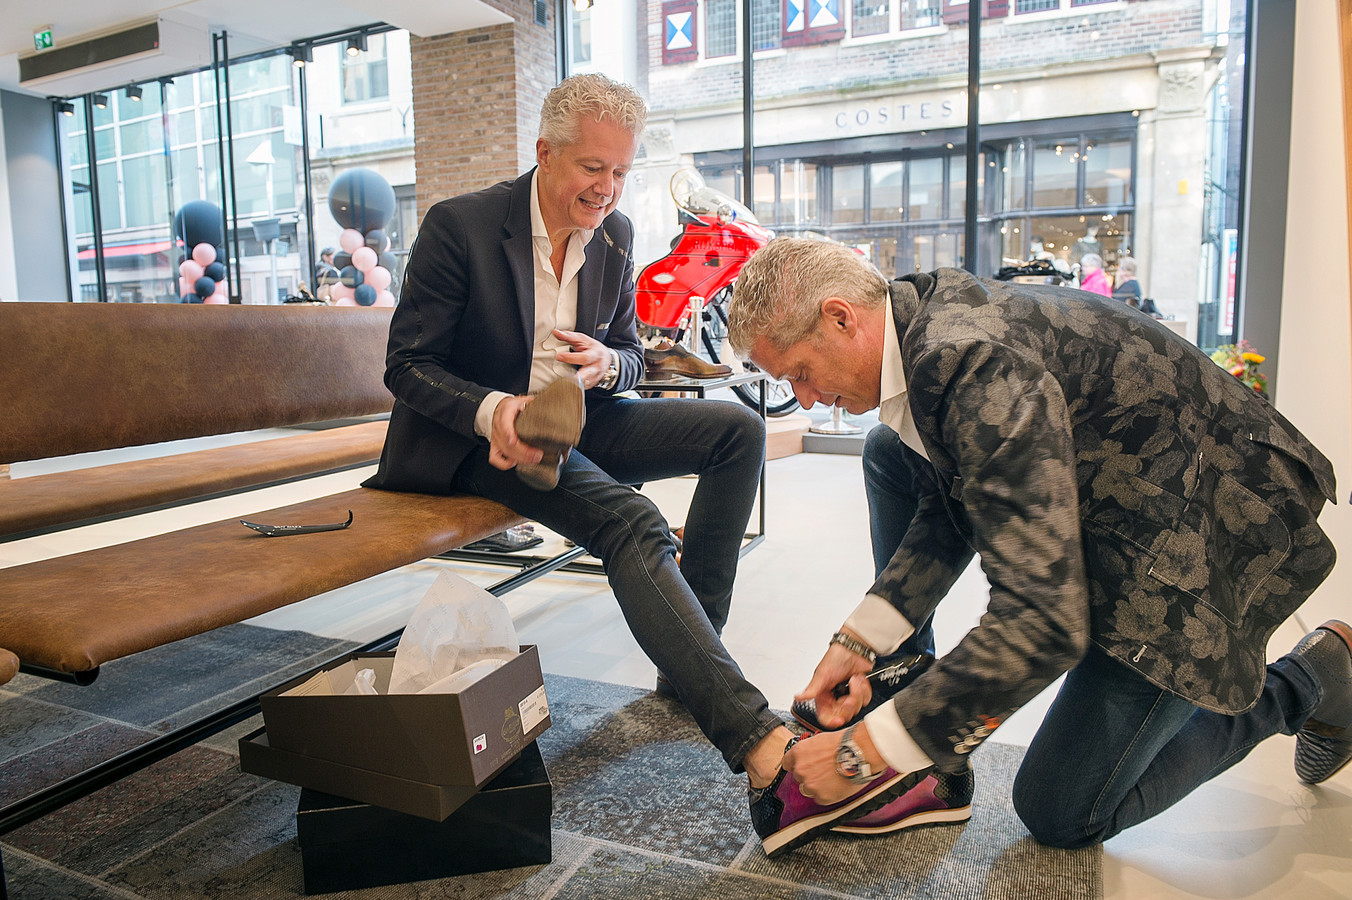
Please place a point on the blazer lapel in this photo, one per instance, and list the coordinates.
(519, 248)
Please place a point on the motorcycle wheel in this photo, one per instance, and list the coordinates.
(779, 398)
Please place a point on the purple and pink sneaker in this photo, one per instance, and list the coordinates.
(785, 819)
(941, 797)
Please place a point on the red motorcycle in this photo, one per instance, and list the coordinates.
(718, 235)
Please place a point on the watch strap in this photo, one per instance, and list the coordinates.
(855, 646)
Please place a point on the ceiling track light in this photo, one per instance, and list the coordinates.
(65, 107)
(134, 92)
(100, 100)
(301, 54)
(356, 44)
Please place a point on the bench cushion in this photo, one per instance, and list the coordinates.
(44, 503)
(74, 613)
(9, 666)
(94, 376)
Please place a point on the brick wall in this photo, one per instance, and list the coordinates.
(1008, 45)
(477, 95)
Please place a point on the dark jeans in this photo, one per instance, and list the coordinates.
(675, 614)
(1114, 749)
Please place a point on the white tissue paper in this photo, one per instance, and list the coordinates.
(455, 627)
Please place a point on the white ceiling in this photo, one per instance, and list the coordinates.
(251, 25)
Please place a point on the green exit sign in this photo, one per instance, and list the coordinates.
(42, 39)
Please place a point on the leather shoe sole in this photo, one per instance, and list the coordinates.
(552, 422)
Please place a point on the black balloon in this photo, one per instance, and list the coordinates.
(389, 261)
(191, 298)
(215, 271)
(204, 286)
(197, 222)
(353, 277)
(361, 199)
(342, 259)
(365, 295)
(375, 239)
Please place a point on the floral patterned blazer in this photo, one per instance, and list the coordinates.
(1120, 488)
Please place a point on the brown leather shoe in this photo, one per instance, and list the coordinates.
(553, 422)
(670, 358)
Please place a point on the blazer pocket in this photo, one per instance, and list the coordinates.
(1226, 544)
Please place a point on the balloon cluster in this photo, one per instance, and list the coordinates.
(362, 202)
(201, 274)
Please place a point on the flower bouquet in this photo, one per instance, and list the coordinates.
(1242, 361)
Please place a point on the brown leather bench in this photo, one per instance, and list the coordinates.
(86, 377)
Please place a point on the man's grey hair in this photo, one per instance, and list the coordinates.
(1126, 265)
(592, 95)
(780, 291)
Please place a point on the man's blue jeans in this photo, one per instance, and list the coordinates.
(675, 614)
(1114, 749)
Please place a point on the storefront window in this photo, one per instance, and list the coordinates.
(926, 191)
(885, 182)
(1107, 173)
(921, 13)
(847, 194)
(1055, 172)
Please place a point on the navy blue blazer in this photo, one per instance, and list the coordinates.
(466, 320)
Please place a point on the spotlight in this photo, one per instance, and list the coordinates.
(356, 44)
(101, 101)
(301, 54)
(65, 107)
(582, 5)
(134, 93)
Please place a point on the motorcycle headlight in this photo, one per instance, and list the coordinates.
(727, 215)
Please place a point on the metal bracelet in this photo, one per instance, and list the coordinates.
(855, 646)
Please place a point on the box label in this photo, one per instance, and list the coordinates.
(481, 743)
(533, 709)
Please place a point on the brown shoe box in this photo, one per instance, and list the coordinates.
(422, 754)
(347, 845)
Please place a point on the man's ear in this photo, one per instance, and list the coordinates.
(541, 152)
(839, 317)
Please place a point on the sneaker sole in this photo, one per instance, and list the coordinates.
(931, 817)
(804, 830)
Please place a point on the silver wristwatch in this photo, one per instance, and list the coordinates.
(612, 374)
(850, 762)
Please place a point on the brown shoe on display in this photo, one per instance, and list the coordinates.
(553, 422)
(669, 358)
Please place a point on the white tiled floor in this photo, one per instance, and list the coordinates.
(1253, 832)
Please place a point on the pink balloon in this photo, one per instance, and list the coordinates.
(346, 301)
(385, 298)
(377, 277)
(204, 254)
(365, 259)
(217, 300)
(340, 292)
(220, 289)
(351, 239)
(184, 286)
(190, 270)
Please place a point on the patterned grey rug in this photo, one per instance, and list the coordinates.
(643, 807)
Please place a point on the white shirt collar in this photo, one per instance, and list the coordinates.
(894, 373)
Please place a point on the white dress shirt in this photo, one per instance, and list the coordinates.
(876, 620)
